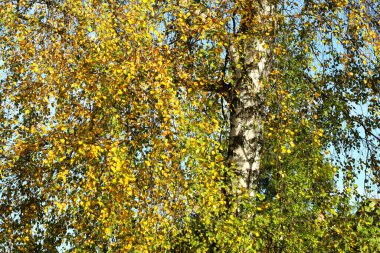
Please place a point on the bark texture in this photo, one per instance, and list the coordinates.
(250, 60)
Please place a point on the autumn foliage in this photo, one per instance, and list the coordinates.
(115, 126)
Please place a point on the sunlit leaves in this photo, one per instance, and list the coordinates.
(114, 126)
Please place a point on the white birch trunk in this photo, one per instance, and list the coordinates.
(246, 109)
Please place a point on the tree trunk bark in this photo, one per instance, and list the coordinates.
(250, 63)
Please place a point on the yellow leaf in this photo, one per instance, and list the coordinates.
(108, 231)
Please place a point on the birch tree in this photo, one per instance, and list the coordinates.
(189, 126)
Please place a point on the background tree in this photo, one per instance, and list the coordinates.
(188, 126)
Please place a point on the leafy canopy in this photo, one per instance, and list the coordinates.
(115, 126)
